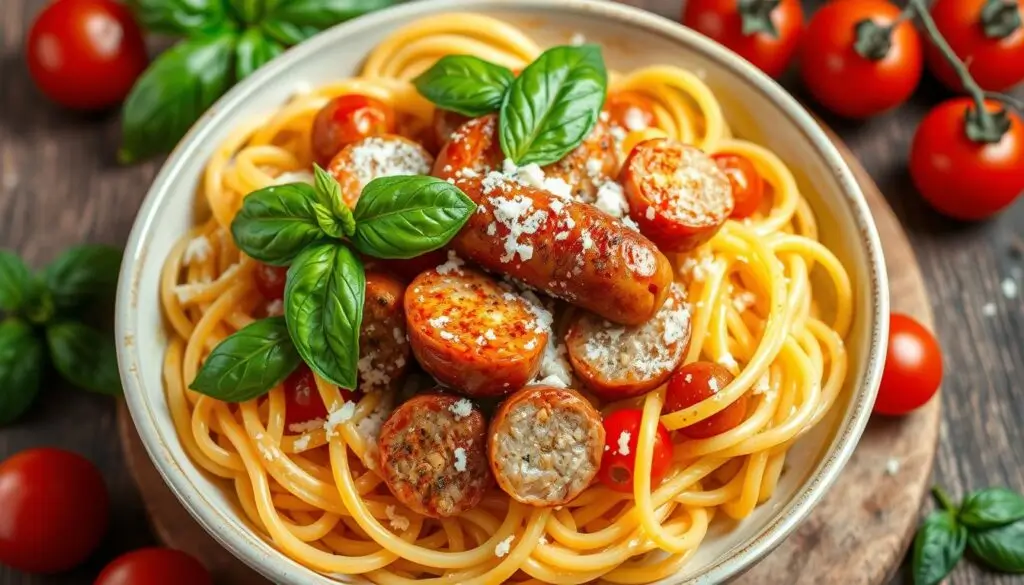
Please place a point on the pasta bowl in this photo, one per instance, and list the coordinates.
(755, 108)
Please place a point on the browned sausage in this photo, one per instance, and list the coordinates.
(432, 454)
(677, 195)
(471, 334)
(445, 123)
(545, 445)
(569, 250)
(472, 150)
(383, 348)
(617, 362)
(377, 156)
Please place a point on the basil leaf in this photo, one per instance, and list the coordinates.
(327, 222)
(248, 11)
(15, 282)
(938, 547)
(276, 223)
(248, 363)
(294, 21)
(254, 50)
(464, 84)
(171, 95)
(84, 356)
(553, 105)
(83, 273)
(323, 300)
(403, 217)
(21, 368)
(991, 508)
(1000, 548)
(180, 17)
(328, 193)
(287, 33)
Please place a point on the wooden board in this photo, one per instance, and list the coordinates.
(856, 536)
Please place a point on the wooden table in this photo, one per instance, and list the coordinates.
(59, 185)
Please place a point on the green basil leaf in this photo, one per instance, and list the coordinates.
(84, 356)
(180, 17)
(248, 363)
(327, 222)
(21, 368)
(287, 33)
(992, 508)
(254, 50)
(15, 282)
(276, 223)
(248, 11)
(328, 193)
(553, 105)
(83, 273)
(173, 93)
(1000, 548)
(464, 84)
(323, 305)
(294, 21)
(938, 547)
(405, 216)
(40, 306)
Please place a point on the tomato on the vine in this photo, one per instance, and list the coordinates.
(913, 367)
(747, 183)
(965, 178)
(988, 36)
(85, 54)
(764, 32)
(858, 59)
(618, 462)
(154, 566)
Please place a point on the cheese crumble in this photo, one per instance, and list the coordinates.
(338, 417)
(624, 437)
(501, 549)
(461, 409)
(460, 459)
(396, 520)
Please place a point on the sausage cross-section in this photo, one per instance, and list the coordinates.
(377, 156)
(383, 348)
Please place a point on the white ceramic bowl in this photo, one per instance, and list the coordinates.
(756, 108)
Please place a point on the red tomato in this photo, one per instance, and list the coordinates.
(154, 566)
(913, 367)
(696, 382)
(843, 80)
(270, 280)
(631, 110)
(724, 21)
(622, 428)
(54, 510)
(961, 178)
(85, 54)
(747, 184)
(347, 119)
(302, 399)
(410, 268)
(995, 63)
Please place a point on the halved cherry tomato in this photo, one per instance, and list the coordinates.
(847, 82)
(53, 510)
(618, 463)
(696, 382)
(913, 367)
(990, 43)
(763, 34)
(747, 184)
(962, 178)
(631, 110)
(154, 566)
(270, 280)
(85, 54)
(347, 119)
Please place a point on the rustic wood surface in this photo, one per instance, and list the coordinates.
(59, 185)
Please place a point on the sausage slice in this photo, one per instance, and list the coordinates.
(432, 454)
(387, 155)
(545, 445)
(383, 347)
(618, 362)
(677, 194)
(473, 335)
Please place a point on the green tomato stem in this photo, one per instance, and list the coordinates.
(943, 497)
(1000, 18)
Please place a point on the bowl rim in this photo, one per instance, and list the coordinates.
(245, 544)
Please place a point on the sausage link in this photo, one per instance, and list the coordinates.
(383, 348)
(377, 156)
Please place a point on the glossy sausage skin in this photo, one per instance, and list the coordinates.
(383, 348)
(377, 156)
(569, 250)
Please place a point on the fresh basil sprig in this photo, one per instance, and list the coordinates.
(244, 365)
(21, 368)
(465, 84)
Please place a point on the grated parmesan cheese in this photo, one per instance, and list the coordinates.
(302, 443)
(628, 222)
(275, 308)
(396, 520)
(198, 250)
(763, 384)
(635, 119)
(611, 200)
(338, 417)
(713, 384)
(461, 409)
(186, 292)
(460, 459)
(624, 437)
(305, 427)
(502, 548)
(454, 264)
(287, 178)
(376, 157)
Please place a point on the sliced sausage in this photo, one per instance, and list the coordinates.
(677, 194)
(377, 156)
(545, 445)
(569, 250)
(383, 348)
(432, 454)
(591, 164)
(473, 335)
(618, 362)
(472, 150)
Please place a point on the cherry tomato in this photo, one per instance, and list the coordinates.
(959, 177)
(622, 429)
(154, 566)
(772, 43)
(270, 280)
(85, 54)
(696, 382)
(445, 124)
(631, 110)
(995, 62)
(913, 367)
(302, 401)
(843, 80)
(747, 184)
(53, 510)
(347, 119)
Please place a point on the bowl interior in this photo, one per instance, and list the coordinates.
(756, 111)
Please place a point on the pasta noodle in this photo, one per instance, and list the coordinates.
(317, 499)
